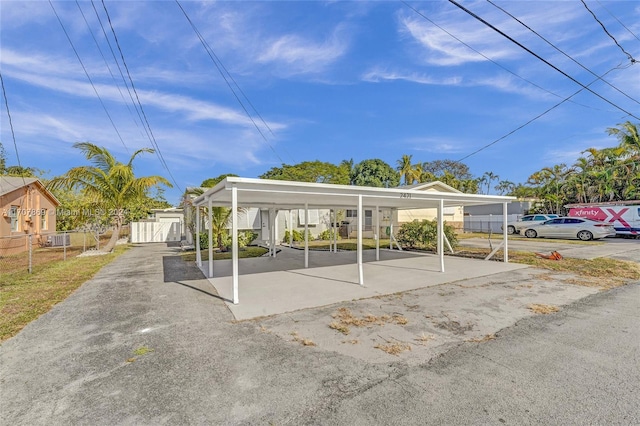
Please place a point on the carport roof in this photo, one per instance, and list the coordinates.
(283, 195)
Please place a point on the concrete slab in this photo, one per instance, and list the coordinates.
(333, 278)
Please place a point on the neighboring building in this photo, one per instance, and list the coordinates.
(27, 208)
(453, 216)
(163, 225)
(488, 217)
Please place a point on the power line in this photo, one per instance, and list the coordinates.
(540, 58)
(220, 67)
(533, 119)
(620, 22)
(13, 135)
(154, 142)
(88, 76)
(113, 77)
(633, 61)
(483, 55)
(124, 80)
(561, 51)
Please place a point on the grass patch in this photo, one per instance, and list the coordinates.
(142, 350)
(301, 340)
(608, 272)
(344, 319)
(393, 348)
(539, 308)
(24, 297)
(482, 339)
(245, 252)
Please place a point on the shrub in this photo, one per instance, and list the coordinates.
(297, 236)
(244, 239)
(328, 234)
(424, 234)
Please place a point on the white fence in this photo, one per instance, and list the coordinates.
(155, 232)
(486, 222)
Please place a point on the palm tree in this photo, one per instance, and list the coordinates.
(108, 184)
(488, 178)
(406, 169)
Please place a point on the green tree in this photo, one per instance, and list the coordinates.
(108, 184)
(211, 182)
(375, 172)
(405, 169)
(3, 159)
(309, 171)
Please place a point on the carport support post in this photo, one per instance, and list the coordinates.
(210, 240)
(306, 235)
(197, 238)
(335, 230)
(441, 234)
(505, 238)
(377, 234)
(234, 241)
(290, 229)
(360, 213)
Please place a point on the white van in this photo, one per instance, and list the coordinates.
(624, 217)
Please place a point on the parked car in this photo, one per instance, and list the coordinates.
(527, 220)
(570, 227)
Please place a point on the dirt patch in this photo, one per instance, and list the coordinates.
(540, 308)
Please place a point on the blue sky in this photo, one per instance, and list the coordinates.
(330, 80)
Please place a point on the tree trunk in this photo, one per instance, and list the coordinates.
(114, 236)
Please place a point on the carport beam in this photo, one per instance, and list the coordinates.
(234, 241)
(210, 240)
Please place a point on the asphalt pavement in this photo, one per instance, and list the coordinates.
(147, 341)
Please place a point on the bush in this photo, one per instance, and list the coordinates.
(297, 236)
(328, 234)
(424, 234)
(244, 239)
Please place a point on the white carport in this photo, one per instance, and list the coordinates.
(276, 195)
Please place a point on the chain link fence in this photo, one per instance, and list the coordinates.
(27, 252)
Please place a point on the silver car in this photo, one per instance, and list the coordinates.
(571, 227)
(526, 221)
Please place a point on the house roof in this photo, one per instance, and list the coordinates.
(433, 186)
(284, 195)
(11, 183)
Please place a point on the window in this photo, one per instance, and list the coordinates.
(13, 214)
(527, 218)
(539, 218)
(43, 219)
(352, 213)
(573, 221)
(314, 217)
(368, 220)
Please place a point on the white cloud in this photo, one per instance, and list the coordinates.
(376, 75)
(292, 54)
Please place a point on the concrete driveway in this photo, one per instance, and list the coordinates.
(148, 341)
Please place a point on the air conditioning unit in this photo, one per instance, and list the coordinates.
(59, 240)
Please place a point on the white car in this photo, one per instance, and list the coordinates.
(527, 220)
(571, 227)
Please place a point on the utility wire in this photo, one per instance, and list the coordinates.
(533, 119)
(88, 76)
(620, 22)
(483, 55)
(561, 51)
(124, 80)
(540, 58)
(13, 134)
(113, 77)
(633, 61)
(154, 142)
(220, 67)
